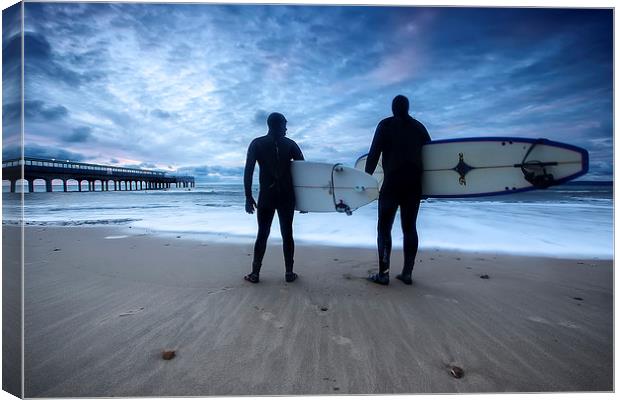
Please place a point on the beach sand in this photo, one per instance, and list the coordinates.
(99, 312)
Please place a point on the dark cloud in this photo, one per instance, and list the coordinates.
(205, 170)
(11, 152)
(38, 151)
(41, 63)
(113, 161)
(213, 174)
(11, 56)
(161, 113)
(11, 22)
(144, 165)
(11, 111)
(35, 110)
(79, 135)
(260, 118)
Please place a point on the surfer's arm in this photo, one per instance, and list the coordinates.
(427, 137)
(248, 173)
(297, 154)
(375, 151)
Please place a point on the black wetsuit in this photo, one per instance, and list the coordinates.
(399, 140)
(273, 154)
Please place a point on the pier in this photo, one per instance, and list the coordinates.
(109, 177)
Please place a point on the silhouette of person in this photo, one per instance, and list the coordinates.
(274, 153)
(399, 140)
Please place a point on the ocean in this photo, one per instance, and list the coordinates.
(571, 221)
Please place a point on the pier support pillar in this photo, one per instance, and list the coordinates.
(48, 185)
(79, 185)
(64, 185)
(13, 186)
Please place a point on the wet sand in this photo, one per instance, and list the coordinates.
(99, 312)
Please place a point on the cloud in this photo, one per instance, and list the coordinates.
(38, 151)
(192, 84)
(41, 61)
(80, 135)
(11, 151)
(260, 117)
(35, 110)
(161, 113)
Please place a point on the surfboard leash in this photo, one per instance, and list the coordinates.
(340, 206)
(532, 169)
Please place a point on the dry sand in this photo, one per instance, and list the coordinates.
(99, 312)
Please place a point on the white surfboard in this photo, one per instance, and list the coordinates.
(472, 167)
(324, 187)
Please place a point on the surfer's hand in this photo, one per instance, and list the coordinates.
(303, 212)
(250, 204)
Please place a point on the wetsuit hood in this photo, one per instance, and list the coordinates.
(277, 125)
(400, 106)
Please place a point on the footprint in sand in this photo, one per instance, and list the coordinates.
(269, 317)
(568, 324)
(540, 320)
(432, 296)
(220, 290)
(345, 341)
(341, 340)
(131, 312)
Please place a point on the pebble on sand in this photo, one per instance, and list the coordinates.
(457, 372)
(168, 354)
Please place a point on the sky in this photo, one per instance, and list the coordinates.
(186, 87)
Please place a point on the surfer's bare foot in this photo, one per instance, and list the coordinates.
(253, 277)
(405, 278)
(380, 278)
(290, 276)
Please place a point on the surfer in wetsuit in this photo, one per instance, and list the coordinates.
(274, 153)
(399, 139)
